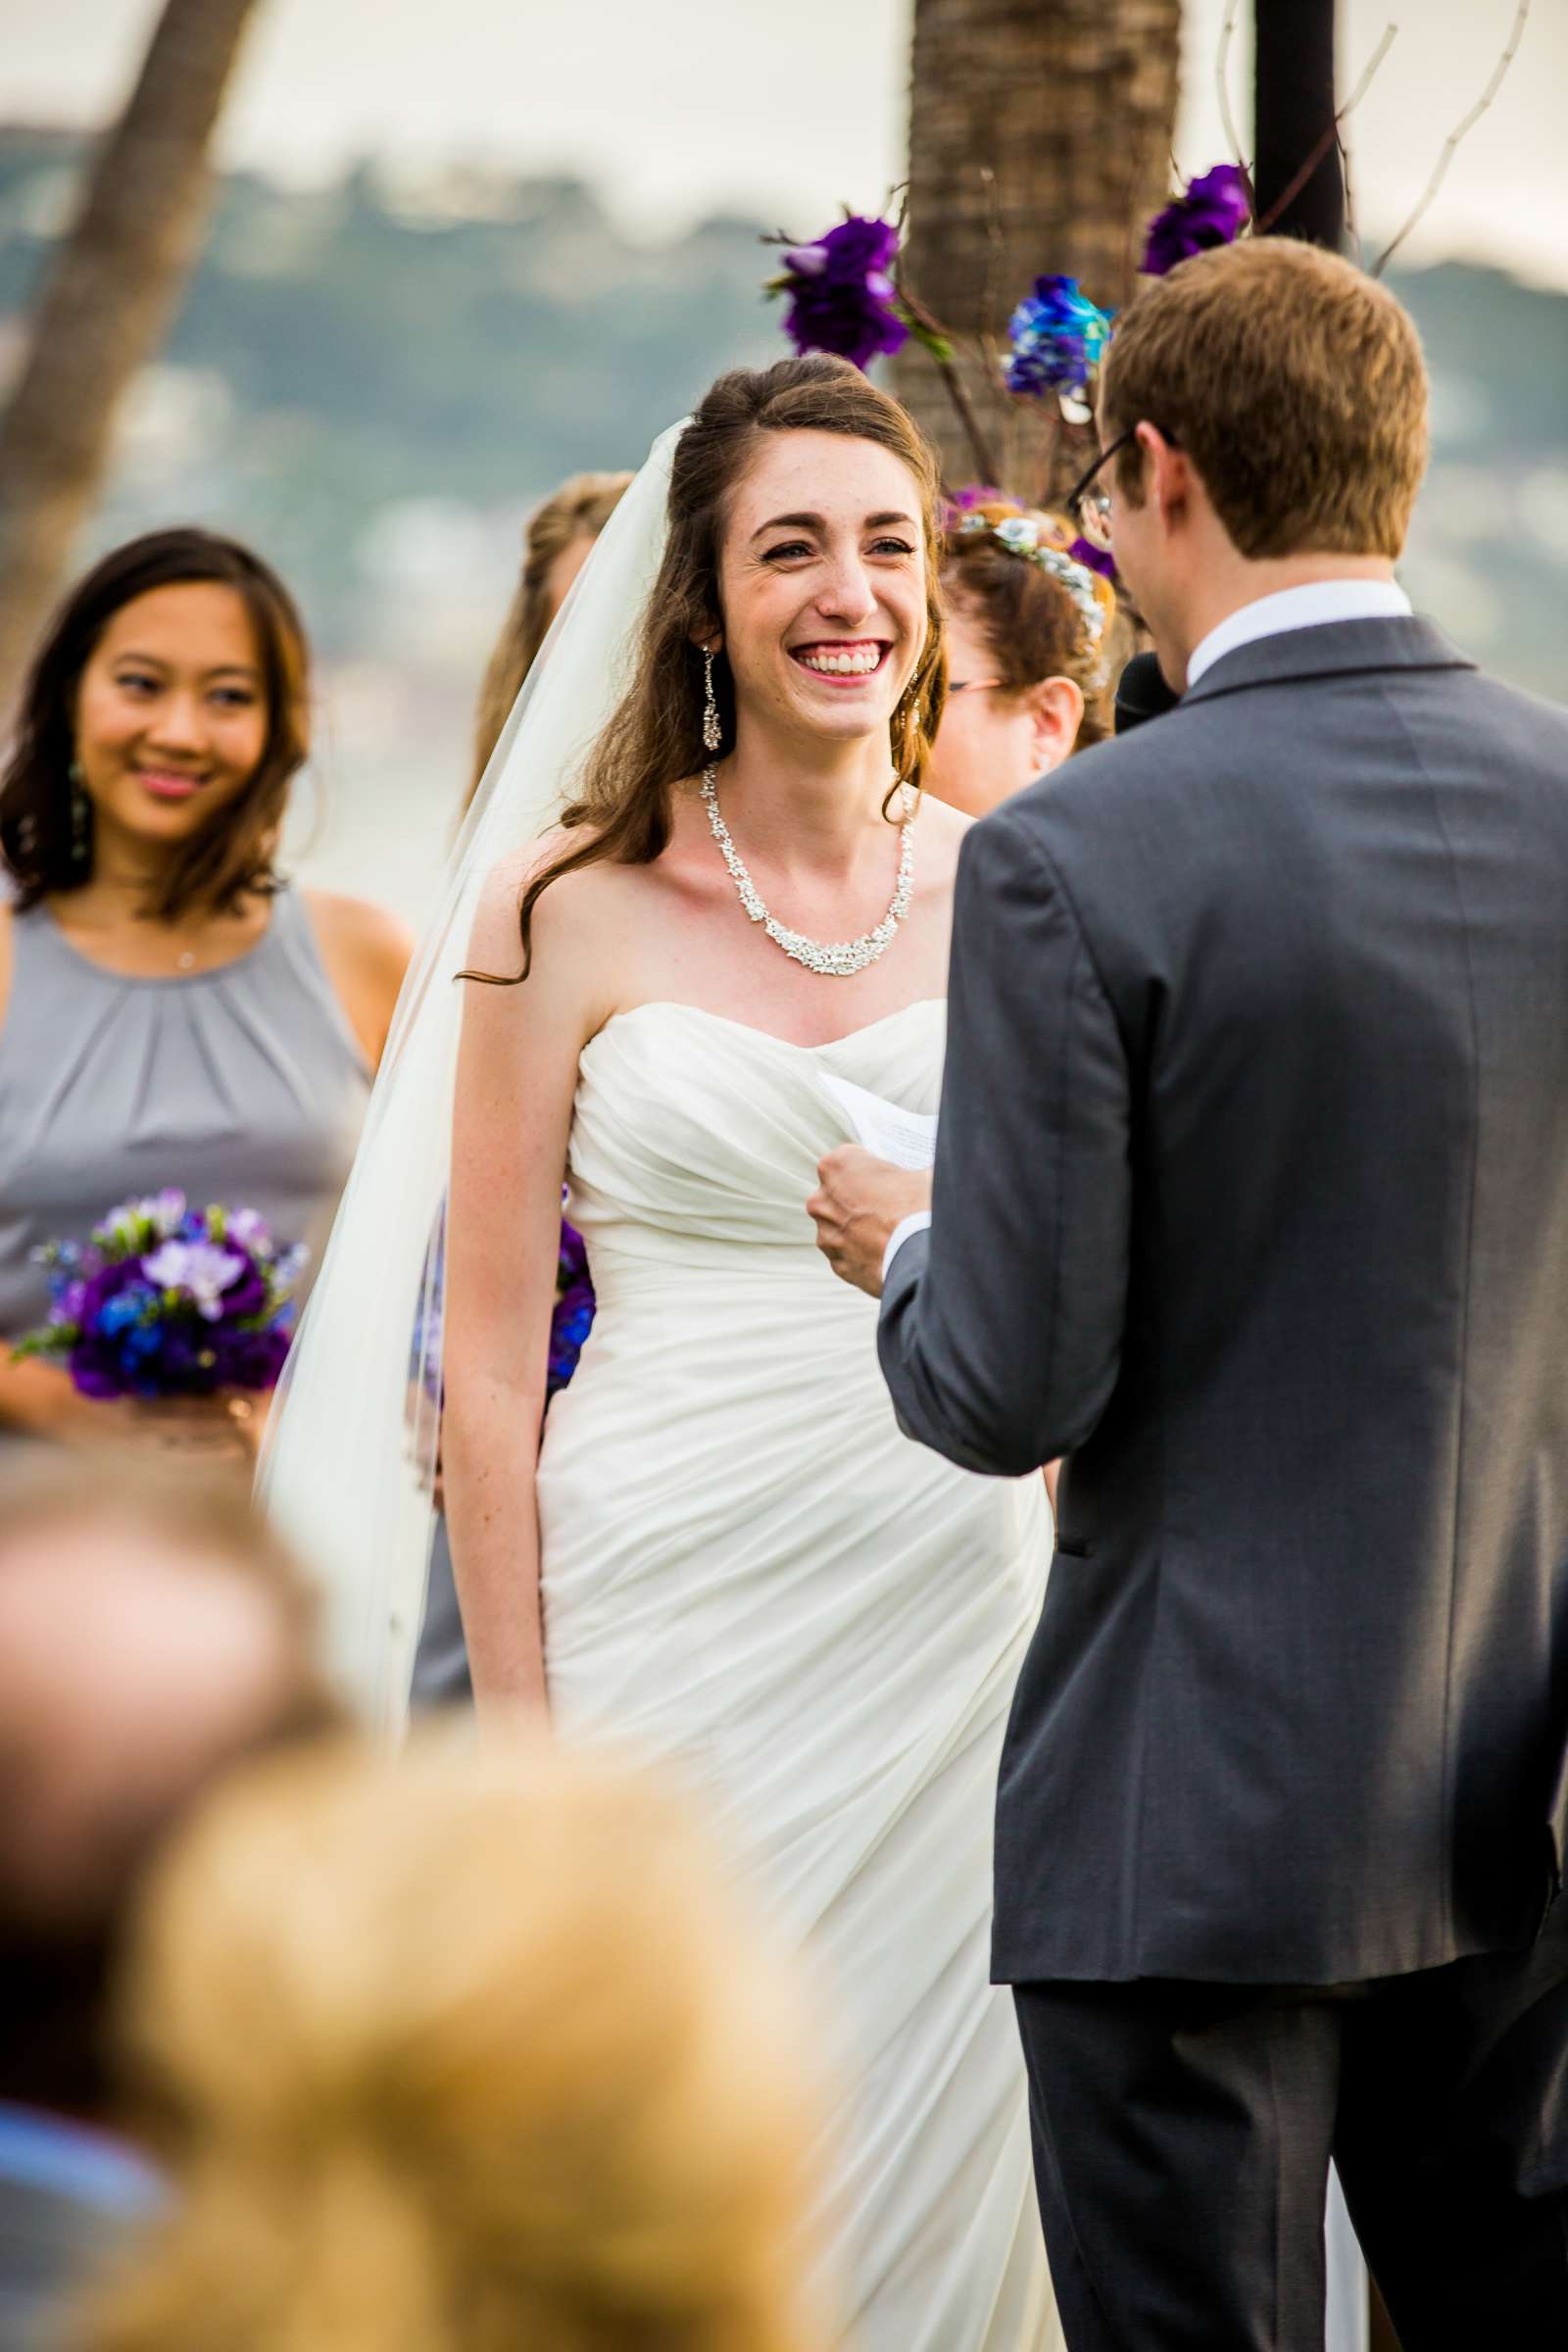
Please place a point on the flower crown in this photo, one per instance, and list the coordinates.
(1021, 535)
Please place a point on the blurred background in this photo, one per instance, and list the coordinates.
(454, 256)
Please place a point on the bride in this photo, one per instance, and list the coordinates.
(722, 1551)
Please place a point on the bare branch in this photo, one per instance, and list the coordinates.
(1390, 33)
(1452, 142)
(1227, 34)
(1352, 228)
(953, 382)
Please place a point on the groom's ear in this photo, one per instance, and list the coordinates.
(1168, 473)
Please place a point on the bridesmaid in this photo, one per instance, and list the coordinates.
(172, 1010)
(557, 544)
(1027, 628)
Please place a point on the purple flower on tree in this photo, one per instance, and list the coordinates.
(841, 297)
(1211, 210)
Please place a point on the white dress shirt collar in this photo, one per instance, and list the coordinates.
(1308, 607)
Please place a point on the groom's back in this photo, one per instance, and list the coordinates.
(1315, 1553)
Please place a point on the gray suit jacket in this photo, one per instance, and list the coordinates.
(1252, 1197)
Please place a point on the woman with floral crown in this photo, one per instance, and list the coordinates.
(1028, 628)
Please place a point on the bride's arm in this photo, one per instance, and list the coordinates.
(516, 1077)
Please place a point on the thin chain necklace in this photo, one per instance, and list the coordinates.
(842, 959)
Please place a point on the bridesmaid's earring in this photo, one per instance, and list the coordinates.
(712, 732)
(78, 816)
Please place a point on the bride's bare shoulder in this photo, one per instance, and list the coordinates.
(575, 902)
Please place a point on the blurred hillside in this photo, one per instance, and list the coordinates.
(375, 381)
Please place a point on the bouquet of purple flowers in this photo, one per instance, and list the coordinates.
(166, 1301)
(570, 1321)
(573, 1317)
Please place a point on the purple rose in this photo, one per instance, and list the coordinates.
(1093, 559)
(247, 1294)
(1212, 210)
(857, 248)
(959, 503)
(250, 1359)
(572, 1265)
(841, 295)
(569, 1326)
(119, 1347)
(573, 1315)
(188, 1364)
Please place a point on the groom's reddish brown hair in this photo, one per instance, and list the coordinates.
(1293, 380)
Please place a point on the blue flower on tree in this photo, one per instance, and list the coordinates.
(1058, 337)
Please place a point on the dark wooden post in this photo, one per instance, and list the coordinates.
(1294, 108)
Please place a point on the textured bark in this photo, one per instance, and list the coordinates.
(105, 307)
(1294, 102)
(1040, 139)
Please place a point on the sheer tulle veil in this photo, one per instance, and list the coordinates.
(347, 1470)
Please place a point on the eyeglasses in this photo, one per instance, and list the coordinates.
(1088, 502)
(972, 686)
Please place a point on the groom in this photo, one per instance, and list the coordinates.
(1251, 1199)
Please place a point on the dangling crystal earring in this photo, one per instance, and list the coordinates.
(712, 732)
(78, 816)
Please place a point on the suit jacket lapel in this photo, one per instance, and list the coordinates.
(1334, 647)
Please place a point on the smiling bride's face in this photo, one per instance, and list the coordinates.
(822, 581)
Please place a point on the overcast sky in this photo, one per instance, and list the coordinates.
(678, 109)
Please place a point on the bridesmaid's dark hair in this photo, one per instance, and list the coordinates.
(654, 738)
(230, 857)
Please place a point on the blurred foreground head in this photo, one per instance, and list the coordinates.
(1272, 403)
(460, 2051)
(152, 1633)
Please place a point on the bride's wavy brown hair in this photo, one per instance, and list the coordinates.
(654, 738)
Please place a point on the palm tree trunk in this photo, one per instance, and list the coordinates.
(1040, 138)
(105, 306)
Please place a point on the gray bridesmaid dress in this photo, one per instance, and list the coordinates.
(243, 1085)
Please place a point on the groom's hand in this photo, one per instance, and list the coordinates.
(860, 1202)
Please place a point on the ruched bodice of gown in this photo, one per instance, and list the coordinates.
(749, 1572)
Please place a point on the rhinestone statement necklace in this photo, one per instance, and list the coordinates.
(842, 959)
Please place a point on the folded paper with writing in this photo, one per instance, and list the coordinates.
(906, 1138)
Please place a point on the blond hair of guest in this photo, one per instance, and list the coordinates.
(555, 547)
(463, 2051)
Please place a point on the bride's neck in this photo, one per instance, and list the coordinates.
(806, 805)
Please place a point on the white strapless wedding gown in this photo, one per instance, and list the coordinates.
(749, 1572)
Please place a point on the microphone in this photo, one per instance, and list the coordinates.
(1141, 693)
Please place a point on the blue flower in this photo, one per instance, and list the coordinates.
(136, 1305)
(1058, 337)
